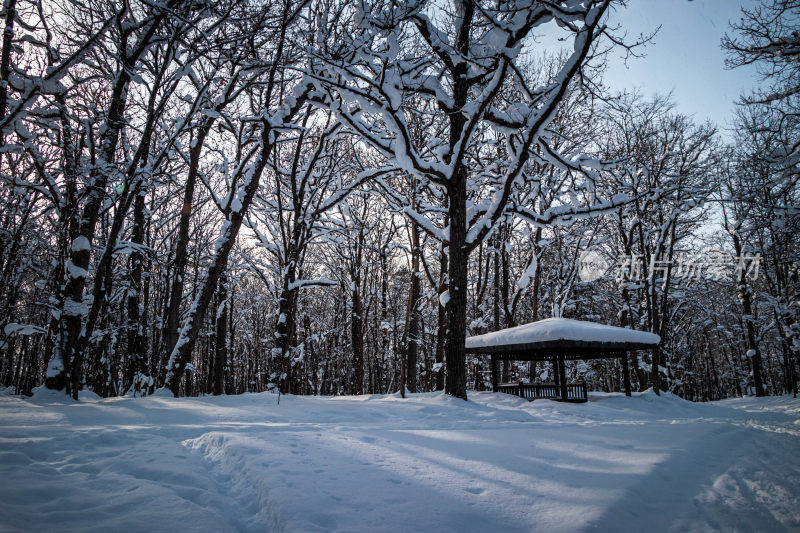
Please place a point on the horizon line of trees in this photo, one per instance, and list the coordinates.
(317, 197)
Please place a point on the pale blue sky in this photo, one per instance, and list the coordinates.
(685, 56)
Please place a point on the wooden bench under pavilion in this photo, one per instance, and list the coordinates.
(558, 340)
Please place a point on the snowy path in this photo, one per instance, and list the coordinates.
(386, 464)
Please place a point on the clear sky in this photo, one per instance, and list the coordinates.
(685, 57)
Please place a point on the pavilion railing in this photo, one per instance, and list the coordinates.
(576, 392)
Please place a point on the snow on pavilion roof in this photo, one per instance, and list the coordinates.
(561, 333)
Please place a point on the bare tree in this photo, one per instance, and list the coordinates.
(471, 50)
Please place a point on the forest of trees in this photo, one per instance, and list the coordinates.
(327, 197)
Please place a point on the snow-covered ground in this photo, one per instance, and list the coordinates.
(370, 464)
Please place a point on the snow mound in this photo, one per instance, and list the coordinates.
(86, 395)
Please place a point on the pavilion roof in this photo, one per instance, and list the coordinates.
(564, 336)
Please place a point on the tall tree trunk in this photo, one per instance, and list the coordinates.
(496, 301)
(285, 331)
(411, 336)
(746, 299)
(356, 333)
(505, 290)
(441, 322)
(456, 383)
(221, 338)
(182, 240)
(136, 366)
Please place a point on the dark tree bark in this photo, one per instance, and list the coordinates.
(411, 336)
(357, 338)
(136, 355)
(221, 337)
(458, 256)
(746, 299)
(441, 322)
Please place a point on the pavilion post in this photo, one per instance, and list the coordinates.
(555, 369)
(494, 372)
(626, 373)
(562, 377)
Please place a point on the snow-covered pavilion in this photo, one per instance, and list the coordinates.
(558, 340)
